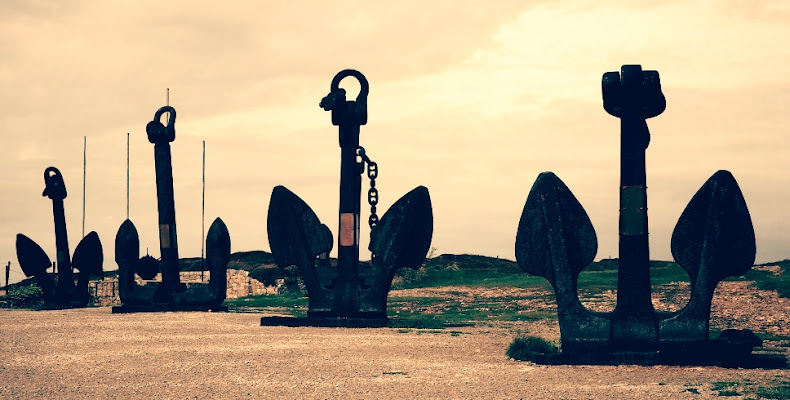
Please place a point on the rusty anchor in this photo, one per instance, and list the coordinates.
(88, 256)
(170, 294)
(354, 294)
(713, 239)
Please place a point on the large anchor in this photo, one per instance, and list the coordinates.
(401, 238)
(170, 293)
(713, 239)
(88, 256)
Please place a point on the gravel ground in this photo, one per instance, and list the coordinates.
(92, 353)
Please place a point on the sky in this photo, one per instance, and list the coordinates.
(472, 99)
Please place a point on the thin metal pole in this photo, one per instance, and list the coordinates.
(203, 210)
(7, 272)
(127, 175)
(84, 169)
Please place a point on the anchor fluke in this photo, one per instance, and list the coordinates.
(402, 236)
(554, 227)
(32, 258)
(715, 231)
(89, 256)
(295, 232)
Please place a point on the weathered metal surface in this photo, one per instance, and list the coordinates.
(401, 238)
(88, 259)
(713, 239)
(297, 237)
(55, 189)
(34, 262)
(633, 95)
(88, 256)
(556, 240)
(169, 294)
(217, 258)
(127, 253)
(161, 135)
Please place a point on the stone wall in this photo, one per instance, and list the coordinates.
(240, 284)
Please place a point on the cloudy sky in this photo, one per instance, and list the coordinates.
(472, 99)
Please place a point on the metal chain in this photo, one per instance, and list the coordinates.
(373, 193)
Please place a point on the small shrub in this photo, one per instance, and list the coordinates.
(28, 296)
(407, 278)
(292, 282)
(527, 348)
(267, 274)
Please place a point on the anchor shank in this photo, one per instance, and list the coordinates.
(634, 321)
(168, 242)
(65, 273)
(346, 285)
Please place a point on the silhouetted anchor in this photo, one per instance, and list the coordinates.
(88, 256)
(713, 239)
(400, 239)
(170, 294)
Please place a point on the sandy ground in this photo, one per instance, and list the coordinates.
(92, 353)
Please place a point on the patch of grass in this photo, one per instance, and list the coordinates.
(596, 280)
(766, 280)
(466, 270)
(431, 331)
(722, 385)
(473, 270)
(725, 388)
(416, 322)
(691, 390)
(297, 304)
(664, 272)
(454, 311)
(782, 391)
(528, 348)
(772, 337)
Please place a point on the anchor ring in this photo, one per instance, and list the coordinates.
(55, 189)
(158, 132)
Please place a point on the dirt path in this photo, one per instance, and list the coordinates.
(91, 353)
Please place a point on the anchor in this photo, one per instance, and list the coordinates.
(713, 239)
(355, 294)
(88, 256)
(170, 294)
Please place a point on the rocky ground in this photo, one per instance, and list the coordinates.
(736, 304)
(92, 353)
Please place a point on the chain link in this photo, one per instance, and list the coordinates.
(373, 193)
